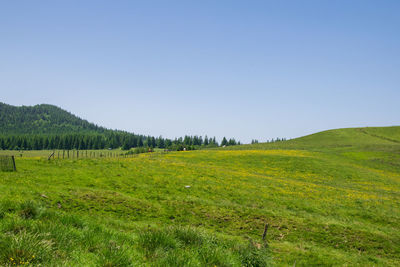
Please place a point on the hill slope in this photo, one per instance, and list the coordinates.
(377, 138)
(42, 119)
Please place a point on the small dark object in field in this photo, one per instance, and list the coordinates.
(265, 231)
(52, 155)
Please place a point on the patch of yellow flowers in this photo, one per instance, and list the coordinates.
(21, 262)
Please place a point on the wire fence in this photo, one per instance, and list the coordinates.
(76, 154)
(7, 163)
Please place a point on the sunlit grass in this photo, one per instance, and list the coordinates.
(196, 208)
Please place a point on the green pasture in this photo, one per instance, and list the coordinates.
(330, 199)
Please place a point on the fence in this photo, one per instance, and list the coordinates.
(79, 154)
(7, 163)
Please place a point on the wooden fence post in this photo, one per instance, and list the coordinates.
(13, 160)
(52, 155)
(265, 231)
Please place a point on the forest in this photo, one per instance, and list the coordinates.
(108, 140)
(46, 126)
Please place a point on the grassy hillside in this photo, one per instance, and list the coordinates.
(332, 198)
(368, 138)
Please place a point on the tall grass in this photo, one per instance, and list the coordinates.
(184, 246)
(32, 235)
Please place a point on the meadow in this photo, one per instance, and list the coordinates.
(330, 199)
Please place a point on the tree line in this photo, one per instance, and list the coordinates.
(108, 140)
(255, 141)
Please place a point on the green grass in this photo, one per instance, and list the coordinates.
(34, 235)
(329, 199)
(375, 138)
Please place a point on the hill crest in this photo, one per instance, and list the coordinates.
(373, 137)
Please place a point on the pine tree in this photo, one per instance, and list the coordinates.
(206, 141)
(2, 144)
(126, 146)
(187, 140)
(224, 142)
(160, 142)
(140, 141)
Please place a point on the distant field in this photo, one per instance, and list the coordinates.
(332, 198)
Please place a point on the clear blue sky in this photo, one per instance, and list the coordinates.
(244, 69)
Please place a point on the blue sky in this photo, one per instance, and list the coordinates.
(243, 69)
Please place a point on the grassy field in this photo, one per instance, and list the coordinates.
(331, 199)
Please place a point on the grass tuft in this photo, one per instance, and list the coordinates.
(29, 210)
(153, 239)
(113, 255)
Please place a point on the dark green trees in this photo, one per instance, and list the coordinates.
(50, 127)
(122, 140)
(224, 142)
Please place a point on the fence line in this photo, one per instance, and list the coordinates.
(81, 154)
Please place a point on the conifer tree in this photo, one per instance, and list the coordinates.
(140, 142)
(206, 141)
(224, 142)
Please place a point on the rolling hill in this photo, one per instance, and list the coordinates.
(376, 138)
